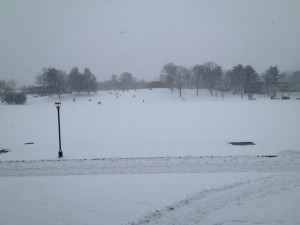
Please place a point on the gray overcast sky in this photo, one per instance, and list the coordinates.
(140, 36)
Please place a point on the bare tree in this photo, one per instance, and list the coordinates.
(181, 76)
(90, 81)
(126, 81)
(114, 82)
(167, 75)
(212, 75)
(197, 74)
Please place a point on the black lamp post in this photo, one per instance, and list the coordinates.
(60, 153)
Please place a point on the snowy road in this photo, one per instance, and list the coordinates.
(283, 162)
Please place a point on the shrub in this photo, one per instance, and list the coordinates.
(15, 98)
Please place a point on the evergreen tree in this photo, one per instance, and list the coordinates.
(53, 81)
(76, 81)
(272, 78)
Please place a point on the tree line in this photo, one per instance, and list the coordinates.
(124, 81)
(239, 80)
(55, 81)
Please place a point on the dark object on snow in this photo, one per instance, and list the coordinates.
(274, 98)
(29, 143)
(268, 156)
(242, 143)
(99, 103)
(4, 151)
(250, 97)
(285, 98)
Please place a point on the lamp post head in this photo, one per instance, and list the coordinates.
(57, 104)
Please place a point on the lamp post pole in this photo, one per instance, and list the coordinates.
(60, 153)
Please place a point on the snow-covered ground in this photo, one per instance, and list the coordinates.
(163, 125)
(148, 157)
(214, 198)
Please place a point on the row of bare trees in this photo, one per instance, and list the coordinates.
(207, 76)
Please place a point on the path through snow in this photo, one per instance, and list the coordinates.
(238, 203)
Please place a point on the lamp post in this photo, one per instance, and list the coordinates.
(60, 153)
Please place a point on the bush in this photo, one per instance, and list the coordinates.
(15, 98)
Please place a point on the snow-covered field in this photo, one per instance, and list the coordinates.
(148, 157)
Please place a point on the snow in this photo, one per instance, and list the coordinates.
(162, 126)
(102, 199)
(150, 159)
(268, 200)
(150, 165)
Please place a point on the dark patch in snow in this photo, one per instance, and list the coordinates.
(4, 151)
(29, 143)
(242, 143)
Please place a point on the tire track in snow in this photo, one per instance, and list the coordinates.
(155, 217)
(206, 206)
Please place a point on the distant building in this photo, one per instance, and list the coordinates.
(35, 90)
(284, 87)
(156, 84)
(262, 88)
(255, 88)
